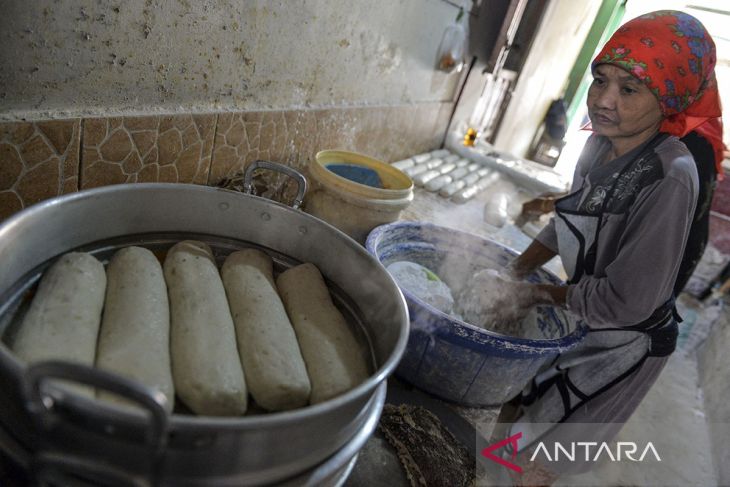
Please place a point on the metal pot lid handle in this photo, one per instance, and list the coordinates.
(41, 404)
(273, 166)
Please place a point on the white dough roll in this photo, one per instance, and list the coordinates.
(134, 340)
(335, 360)
(206, 369)
(63, 320)
(272, 362)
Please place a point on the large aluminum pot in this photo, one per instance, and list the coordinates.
(46, 427)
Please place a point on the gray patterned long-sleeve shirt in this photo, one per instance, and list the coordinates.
(641, 243)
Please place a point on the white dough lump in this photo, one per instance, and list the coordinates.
(335, 360)
(272, 362)
(477, 305)
(424, 284)
(134, 340)
(206, 368)
(64, 316)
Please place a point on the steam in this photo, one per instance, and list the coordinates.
(475, 291)
(493, 301)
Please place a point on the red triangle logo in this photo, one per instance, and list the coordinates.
(512, 440)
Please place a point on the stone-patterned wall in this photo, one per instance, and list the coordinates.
(146, 149)
(39, 160)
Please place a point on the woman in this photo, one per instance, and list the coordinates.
(707, 171)
(622, 230)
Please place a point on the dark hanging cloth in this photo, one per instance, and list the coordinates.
(704, 156)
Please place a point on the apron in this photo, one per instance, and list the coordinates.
(607, 356)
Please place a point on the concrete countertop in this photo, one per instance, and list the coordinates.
(470, 217)
(467, 217)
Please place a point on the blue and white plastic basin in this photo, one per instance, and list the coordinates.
(450, 358)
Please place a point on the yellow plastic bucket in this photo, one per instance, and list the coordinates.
(352, 207)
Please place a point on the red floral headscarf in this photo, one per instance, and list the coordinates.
(672, 53)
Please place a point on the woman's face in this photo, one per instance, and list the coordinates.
(622, 108)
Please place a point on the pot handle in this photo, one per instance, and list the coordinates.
(273, 166)
(40, 403)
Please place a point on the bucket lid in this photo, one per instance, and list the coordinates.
(396, 184)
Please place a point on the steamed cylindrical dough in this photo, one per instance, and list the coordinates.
(63, 320)
(272, 363)
(206, 368)
(335, 360)
(134, 340)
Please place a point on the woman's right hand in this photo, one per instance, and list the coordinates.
(494, 298)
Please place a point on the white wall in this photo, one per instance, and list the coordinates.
(559, 39)
(69, 58)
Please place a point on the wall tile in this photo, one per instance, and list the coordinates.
(38, 160)
(294, 137)
(42, 159)
(172, 149)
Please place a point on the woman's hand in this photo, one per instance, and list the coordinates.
(495, 299)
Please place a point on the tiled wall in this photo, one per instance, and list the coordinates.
(39, 160)
(146, 149)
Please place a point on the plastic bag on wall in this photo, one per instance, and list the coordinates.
(452, 51)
